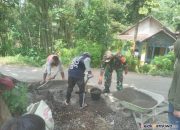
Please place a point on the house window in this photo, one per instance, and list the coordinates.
(156, 51)
(159, 51)
(149, 52)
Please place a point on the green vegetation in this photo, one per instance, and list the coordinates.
(82, 46)
(16, 99)
(161, 65)
(30, 30)
(21, 60)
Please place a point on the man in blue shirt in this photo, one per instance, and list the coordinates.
(76, 76)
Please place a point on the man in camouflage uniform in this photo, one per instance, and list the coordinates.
(112, 62)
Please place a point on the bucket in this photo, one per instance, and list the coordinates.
(95, 93)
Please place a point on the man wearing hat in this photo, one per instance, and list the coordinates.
(112, 62)
(76, 71)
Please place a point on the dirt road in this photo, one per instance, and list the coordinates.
(155, 84)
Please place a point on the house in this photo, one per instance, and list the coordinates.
(153, 38)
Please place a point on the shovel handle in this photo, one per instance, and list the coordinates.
(41, 86)
(77, 92)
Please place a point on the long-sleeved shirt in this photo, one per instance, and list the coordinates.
(174, 91)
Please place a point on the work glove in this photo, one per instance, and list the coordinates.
(89, 76)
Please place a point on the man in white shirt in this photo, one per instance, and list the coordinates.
(52, 61)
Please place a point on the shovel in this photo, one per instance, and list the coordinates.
(84, 94)
(42, 86)
(77, 92)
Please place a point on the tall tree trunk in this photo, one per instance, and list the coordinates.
(30, 38)
(44, 36)
(3, 47)
(135, 35)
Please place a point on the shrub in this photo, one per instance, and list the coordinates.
(131, 61)
(144, 68)
(164, 63)
(160, 65)
(66, 54)
(16, 99)
(93, 48)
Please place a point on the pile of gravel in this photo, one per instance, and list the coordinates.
(120, 122)
(99, 115)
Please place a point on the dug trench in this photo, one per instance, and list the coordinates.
(102, 114)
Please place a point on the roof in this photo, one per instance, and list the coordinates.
(131, 37)
(141, 37)
(158, 33)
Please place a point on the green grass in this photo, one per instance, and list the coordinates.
(21, 60)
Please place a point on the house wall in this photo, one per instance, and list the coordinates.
(158, 45)
(154, 27)
(160, 40)
(147, 27)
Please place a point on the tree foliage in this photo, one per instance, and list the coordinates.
(168, 12)
(32, 27)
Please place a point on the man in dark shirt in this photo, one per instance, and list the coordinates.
(76, 76)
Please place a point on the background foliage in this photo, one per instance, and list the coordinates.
(33, 29)
(162, 65)
(16, 99)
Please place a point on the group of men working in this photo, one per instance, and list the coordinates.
(80, 64)
(110, 62)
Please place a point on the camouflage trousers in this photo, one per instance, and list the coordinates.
(108, 78)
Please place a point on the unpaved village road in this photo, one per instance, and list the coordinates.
(155, 84)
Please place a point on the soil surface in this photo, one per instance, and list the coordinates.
(115, 117)
(98, 115)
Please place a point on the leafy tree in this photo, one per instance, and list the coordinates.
(6, 23)
(168, 12)
(130, 11)
(95, 23)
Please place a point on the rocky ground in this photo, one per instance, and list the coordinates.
(103, 114)
(99, 115)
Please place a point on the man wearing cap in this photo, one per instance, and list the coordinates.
(76, 71)
(52, 61)
(112, 62)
